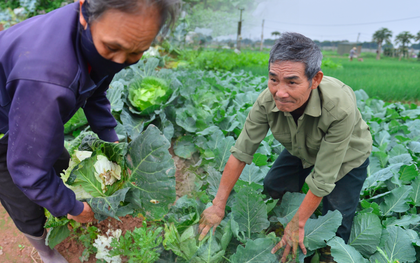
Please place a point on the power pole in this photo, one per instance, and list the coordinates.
(238, 41)
(262, 36)
(357, 41)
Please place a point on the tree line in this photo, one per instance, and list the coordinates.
(403, 39)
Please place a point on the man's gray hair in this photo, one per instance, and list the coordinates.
(296, 47)
(168, 9)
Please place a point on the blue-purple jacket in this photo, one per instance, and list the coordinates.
(44, 80)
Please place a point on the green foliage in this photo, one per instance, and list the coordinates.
(258, 250)
(365, 233)
(342, 252)
(249, 212)
(152, 180)
(396, 245)
(141, 245)
(87, 237)
(202, 119)
(149, 92)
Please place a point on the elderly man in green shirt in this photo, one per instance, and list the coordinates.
(327, 143)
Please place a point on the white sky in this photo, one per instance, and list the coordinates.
(333, 19)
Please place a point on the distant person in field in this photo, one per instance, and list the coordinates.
(50, 66)
(327, 143)
(353, 53)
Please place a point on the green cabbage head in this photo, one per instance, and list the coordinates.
(150, 91)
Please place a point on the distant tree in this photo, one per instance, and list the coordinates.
(275, 34)
(381, 35)
(404, 38)
(418, 36)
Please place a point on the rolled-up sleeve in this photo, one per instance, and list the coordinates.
(254, 131)
(331, 154)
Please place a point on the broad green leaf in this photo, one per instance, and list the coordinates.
(213, 178)
(250, 211)
(415, 194)
(208, 131)
(414, 146)
(152, 173)
(414, 127)
(113, 151)
(183, 246)
(402, 158)
(229, 124)
(397, 150)
(83, 174)
(184, 147)
(382, 156)
(289, 205)
(260, 159)
(342, 252)
(183, 214)
(77, 121)
(240, 184)
(396, 201)
(114, 96)
(134, 124)
(209, 252)
(365, 233)
(382, 137)
(255, 251)
(397, 245)
(414, 236)
(220, 146)
(406, 221)
(252, 173)
(271, 203)
(408, 173)
(56, 235)
(107, 205)
(361, 95)
(373, 206)
(317, 231)
(382, 175)
(166, 126)
(374, 165)
(264, 147)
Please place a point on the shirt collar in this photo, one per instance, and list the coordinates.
(312, 109)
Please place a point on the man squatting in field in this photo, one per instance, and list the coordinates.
(50, 66)
(327, 143)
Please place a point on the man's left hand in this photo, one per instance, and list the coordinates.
(292, 238)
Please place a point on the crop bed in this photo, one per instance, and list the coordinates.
(198, 117)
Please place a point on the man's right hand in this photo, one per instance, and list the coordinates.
(86, 216)
(211, 217)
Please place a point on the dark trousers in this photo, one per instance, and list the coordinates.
(288, 175)
(28, 217)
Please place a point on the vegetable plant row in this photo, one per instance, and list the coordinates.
(201, 113)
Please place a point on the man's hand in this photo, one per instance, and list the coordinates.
(293, 236)
(211, 217)
(86, 216)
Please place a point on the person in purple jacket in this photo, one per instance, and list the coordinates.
(50, 66)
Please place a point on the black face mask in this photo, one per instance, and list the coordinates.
(101, 67)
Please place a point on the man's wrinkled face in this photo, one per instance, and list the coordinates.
(289, 85)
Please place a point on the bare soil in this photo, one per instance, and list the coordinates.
(15, 248)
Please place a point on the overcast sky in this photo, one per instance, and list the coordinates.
(334, 19)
